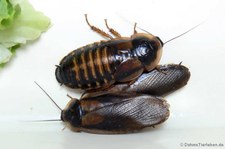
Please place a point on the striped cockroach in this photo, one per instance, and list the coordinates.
(101, 64)
(114, 113)
(159, 82)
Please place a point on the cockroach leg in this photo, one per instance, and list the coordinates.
(112, 31)
(83, 95)
(63, 128)
(159, 70)
(132, 82)
(135, 25)
(58, 66)
(69, 96)
(97, 30)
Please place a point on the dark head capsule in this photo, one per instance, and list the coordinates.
(148, 49)
(73, 113)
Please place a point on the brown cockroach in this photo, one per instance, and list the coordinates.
(100, 65)
(114, 113)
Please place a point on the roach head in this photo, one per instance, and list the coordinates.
(148, 50)
(72, 113)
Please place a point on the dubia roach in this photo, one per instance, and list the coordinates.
(101, 64)
(114, 113)
(159, 82)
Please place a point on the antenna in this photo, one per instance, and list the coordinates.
(48, 96)
(50, 120)
(144, 30)
(182, 33)
(175, 36)
(169, 39)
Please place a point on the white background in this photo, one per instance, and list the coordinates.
(197, 110)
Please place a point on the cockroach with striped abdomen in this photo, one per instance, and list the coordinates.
(114, 113)
(100, 65)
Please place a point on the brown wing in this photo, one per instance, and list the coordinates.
(126, 116)
(157, 82)
(163, 81)
(129, 70)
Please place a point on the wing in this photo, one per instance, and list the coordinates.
(129, 70)
(127, 116)
(160, 82)
(157, 82)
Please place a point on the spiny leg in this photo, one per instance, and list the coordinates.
(112, 31)
(69, 96)
(159, 70)
(135, 25)
(95, 29)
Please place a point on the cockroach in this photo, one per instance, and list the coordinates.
(114, 113)
(159, 82)
(99, 65)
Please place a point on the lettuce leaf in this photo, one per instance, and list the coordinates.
(19, 22)
(5, 54)
(8, 13)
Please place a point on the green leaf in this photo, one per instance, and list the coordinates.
(8, 13)
(5, 54)
(20, 23)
